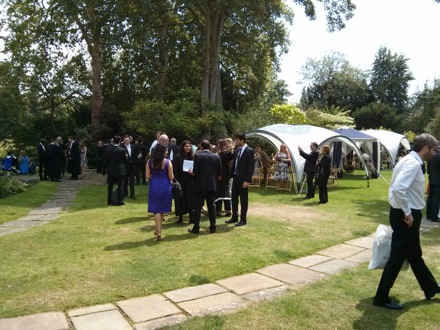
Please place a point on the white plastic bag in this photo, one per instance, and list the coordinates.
(382, 248)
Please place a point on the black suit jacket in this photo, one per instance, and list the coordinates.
(434, 169)
(114, 161)
(42, 152)
(311, 158)
(245, 165)
(207, 169)
(139, 153)
(130, 158)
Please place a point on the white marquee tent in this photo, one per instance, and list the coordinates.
(302, 135)
(390, 141)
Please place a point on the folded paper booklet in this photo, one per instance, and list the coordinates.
(188, 165)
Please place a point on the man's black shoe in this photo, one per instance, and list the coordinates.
(435, 220)
(133, 197)
(241, 223)
(429, 295)
(212, 230)
(120, 204)
(307, 197)
(389, 305)
(232, 220)
(193, 231)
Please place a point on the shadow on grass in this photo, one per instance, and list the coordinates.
(374, 317)
(129, 220)
(185, 235)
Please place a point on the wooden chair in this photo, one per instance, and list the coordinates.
(270, 182)
(256, 178)
(333, 178)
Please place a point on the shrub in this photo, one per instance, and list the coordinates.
(11, 186)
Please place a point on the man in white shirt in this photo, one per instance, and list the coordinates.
(406, 197)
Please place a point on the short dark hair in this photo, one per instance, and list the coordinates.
(140, 139)
(116, 139)
(205, 145)
(241, 136)
(424, 139)
(315, 144)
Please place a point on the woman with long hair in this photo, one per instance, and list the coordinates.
(282, 163)
(83, 157)
(159, 171)
(185, 204)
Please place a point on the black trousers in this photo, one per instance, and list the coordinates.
(239, 191)
(405, 244)
(310, 184)
(201, 197)
(433, 202)
(323, 194)
(140, 173)
(111, 181)
(129, 179)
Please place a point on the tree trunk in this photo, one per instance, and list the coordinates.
(95, 52)
(213, 28)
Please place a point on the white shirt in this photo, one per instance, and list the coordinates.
(407, 184)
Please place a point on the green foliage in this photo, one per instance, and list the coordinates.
(287, 114)
(390, 77)
(410, 135)
(434, 125)
(11, 186)
(376, 115)
(329, 120)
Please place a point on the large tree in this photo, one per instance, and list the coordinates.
(333, 82)
(390, 77)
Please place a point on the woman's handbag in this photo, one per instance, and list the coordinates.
(176, 189)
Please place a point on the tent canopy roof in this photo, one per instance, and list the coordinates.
(391, 141)
(355, 135)
(300, 135)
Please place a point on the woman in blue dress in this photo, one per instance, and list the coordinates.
(159, 171)
(24, 162)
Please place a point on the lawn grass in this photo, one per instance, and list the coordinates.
(97, 254)
(17, 206)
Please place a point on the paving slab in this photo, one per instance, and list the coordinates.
(46, 210)
(220, 303)
(42, 321)
(194, 292)
(248, 283)
(32, 217)
(161, 323)
(291, 274)
(49, 217)
(340, 251)
(108, 320)
(22, 223)
(364, 256)
(91, 310)
(11, 230)
(267, 294)
(334, 266)
(147, 308)
(309, 261)
(363, 242)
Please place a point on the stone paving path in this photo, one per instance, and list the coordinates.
(160, 310)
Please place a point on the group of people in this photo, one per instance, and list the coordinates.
(21, 165)
(204, 177)
(56, 157)
(316, 168)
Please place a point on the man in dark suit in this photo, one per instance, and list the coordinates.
(130, 167)
(114, 167)
(207, 171)
(310, 167)
(100, 154)
(75, 158)
(140, 151)
(42, 159)
(55, 159)
(242, 168)
(173, 149)
(433, 201)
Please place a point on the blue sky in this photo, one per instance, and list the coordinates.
(408, 27)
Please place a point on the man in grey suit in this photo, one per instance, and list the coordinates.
(242, 168)
(433, 201)
(114, 167)
(207, 172)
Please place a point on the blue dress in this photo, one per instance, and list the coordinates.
(159, 194)
(24, 165)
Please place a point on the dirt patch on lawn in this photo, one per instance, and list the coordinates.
(301, 214)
